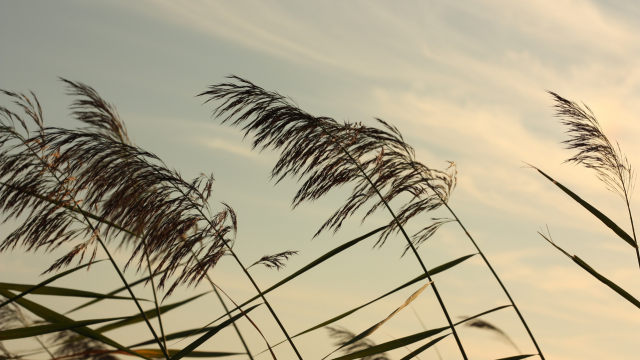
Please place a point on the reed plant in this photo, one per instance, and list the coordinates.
(595, 152)
(93, 188)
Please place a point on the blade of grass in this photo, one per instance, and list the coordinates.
(393, 344)
(54, 317)
(57, 291)
(424, 347)
(482, 313)
(434, 271)
(49, 328)
(48, 281)
(153, 353)
(407, 340)
(186, 333)
(591, 271)
(606, 281)
(602, 217)
(150, 314)
(375, 327)
(184, 352)
(121, 289)
(517, 357)
(315, 263)
(486, 261)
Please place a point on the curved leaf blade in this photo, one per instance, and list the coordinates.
(48, 281)
(517, 357)
(49, 328)
(375, 327)
(54, 317)
(150, 315)
(435, 270)
(58, 291)
(606, 281)
(424, 347)
(114, 292)
(154, 353)
(185, 352)
(187, 333)
(602, 217)
(393, 344)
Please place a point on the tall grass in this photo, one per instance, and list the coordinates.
(596, 152)
(93, 188)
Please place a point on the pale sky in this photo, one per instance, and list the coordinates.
(464, 81)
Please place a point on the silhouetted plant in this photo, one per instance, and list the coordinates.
(92, 187)
(596, 152)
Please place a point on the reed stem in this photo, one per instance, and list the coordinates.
(486, 261)
(404, 233)
(104, 247)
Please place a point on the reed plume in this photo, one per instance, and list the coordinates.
(52, 174)
(597, 152)
(328, 154)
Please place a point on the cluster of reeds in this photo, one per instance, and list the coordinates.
(612, 168)
(94, 188)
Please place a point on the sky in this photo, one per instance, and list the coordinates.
(464, 81)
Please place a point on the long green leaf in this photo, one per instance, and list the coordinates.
(315, 263)
(375, 327)
(187, 333)
(150, 315)
(393, 344)
(517, 357)
(48, 281)
(482, 313)
(121, 289)
(424, 347)
(57, 291)
(613, 226)
(49, 328)
(54, 317)
(184, 352)
(409, 339)
(434, 271)
(154, 353)
(606, 281)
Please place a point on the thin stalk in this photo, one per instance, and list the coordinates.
(633, 229)
(25, 322)
(44, 347)
(226, 309)
(490, 268)
(413, 249)
(124, 281)
(244, 269)
(425, 329)
(155, 297)
(104, 247)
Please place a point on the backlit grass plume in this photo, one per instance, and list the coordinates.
(328, 154)
(56, 176)
(595, 151)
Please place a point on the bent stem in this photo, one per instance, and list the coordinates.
(244, 269)
(486, 261)
(102, 244)
(155, 297)
(226, 309)
(404, 233)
